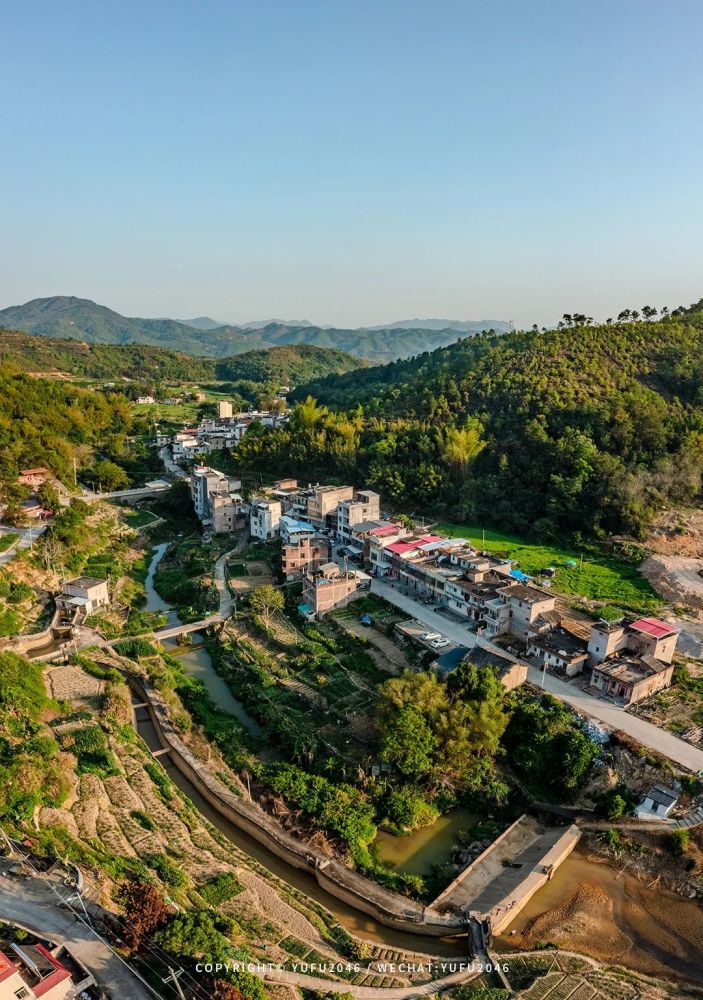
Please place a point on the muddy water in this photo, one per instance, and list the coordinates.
(197, 662)
(428, 846)
(356, 922)
(646, 928)
(194, 659)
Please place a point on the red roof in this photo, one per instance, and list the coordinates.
(400, 547)
(59, 974)
(654, 627)
(7, 968)
(386, 529)
(430, 538)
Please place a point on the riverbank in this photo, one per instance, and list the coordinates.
(615, 918)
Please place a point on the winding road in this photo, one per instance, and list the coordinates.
(31, 903)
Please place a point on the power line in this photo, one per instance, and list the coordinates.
(86, 921)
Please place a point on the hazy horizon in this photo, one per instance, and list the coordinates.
(353, 165)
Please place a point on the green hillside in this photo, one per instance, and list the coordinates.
(289, 364)
(583, 430)
(80, 319)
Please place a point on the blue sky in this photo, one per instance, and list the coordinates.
(353, 162)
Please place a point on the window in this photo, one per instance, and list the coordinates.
(21, 993)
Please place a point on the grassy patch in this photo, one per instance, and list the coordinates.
(600, 578)
(7, 541)
(139, 518)
(238, 569)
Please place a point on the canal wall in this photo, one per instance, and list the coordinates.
(388, 908)
(501, 880)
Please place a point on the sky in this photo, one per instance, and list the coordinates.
(353, 162)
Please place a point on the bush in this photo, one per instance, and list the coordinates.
(677, 841)
(169, 872)
(144, 820)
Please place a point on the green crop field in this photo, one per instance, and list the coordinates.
(599, 578)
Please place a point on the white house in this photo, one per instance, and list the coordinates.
(265, 518)
(657, 803)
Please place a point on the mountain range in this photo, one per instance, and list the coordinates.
(68, 317)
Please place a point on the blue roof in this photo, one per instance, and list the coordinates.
(519, 575)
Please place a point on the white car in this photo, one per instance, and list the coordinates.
(440, 643)
(428, 636)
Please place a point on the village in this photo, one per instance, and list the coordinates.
(417, 599)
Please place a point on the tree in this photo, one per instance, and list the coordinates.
(146, 911)
(677, 842)
(266, 601)
(48, 497)
(192, 934)
(408, 744)
(108, 477)
(462, 446)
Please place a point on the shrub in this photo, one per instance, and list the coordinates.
(677, 841)
(169, 872)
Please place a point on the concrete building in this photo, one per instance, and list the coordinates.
(224, 409)
(558, 644)
(631, 659)
(326, 588)
(216, 498)
(511, 672)
(306, 554)
(264, 518)
(32, 971)
(292, 530)
(628, 679)
(364, 506)
(321, 502)
(86, 593)
(525, 604)
(185, 445)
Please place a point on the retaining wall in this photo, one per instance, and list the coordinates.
(388, 908)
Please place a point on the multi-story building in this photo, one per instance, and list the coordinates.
(326, 588)
(306, 554)
(185, 445)
(224, 408)
(319, 504)
(87, 593)
(631, 659)
(216, 498)
(264, 518)
(363, 507)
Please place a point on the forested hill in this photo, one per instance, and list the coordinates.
(50, 423)
(584, 429)
(289, 365)
(65, 316)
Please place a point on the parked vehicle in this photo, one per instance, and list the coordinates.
(440, 643)
(429, 636)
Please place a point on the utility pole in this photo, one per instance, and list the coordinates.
(173, 978)
(75, 472)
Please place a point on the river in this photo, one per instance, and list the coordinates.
(193, 656)
(649, 930)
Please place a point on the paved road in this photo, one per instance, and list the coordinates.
(26, 537)
(455, 631)
(31, 903)
(173, 468)
(602, 711)
(616, 718)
